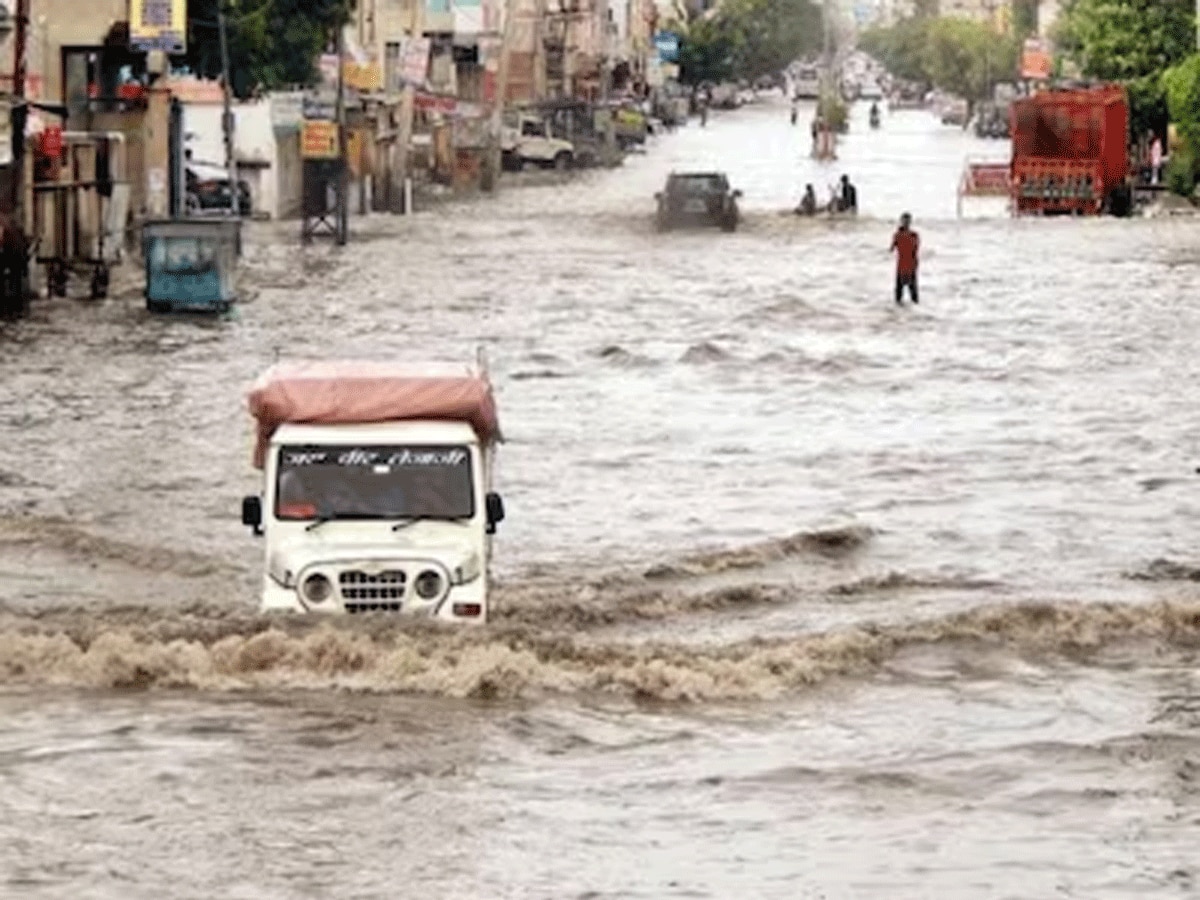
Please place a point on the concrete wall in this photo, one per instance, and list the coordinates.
(273, 169)
(55, 24)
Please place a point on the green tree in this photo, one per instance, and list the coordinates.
(1120, 40)
(966, 58)
(957, 55)
(272, 43)
(901, 48)
(1025, 18)
(1181, 84)
(747, 39)
(705, 54)
(1132, 42)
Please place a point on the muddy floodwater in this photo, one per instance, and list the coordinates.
(801, 595)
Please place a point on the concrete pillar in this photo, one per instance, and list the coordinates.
(156, 137)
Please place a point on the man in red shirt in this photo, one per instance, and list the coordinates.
(907, 245)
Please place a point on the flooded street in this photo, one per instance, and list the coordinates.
(802, 595)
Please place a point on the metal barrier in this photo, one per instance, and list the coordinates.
(79, 225)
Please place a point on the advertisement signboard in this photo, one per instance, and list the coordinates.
(667, 44)
(287, 110)
(1035, 60)
(319, 139)
(158, 25)
(414, 60)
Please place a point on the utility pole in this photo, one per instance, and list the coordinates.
(539, 50)
(408, 102)
(227, 122)
(19, 114)
(491, 175)
(342, 225)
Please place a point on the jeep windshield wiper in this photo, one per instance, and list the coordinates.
(322, 518)
(410, 520)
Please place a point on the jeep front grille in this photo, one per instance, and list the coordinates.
(382, 588)
(392, 606)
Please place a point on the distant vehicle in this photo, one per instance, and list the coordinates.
(1070, 154)
(697, 198)
(528, 140)
(991, 121)
(955, 112)
(869, 89)
(208, 188)
(806, 83)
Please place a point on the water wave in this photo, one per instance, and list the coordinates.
(1166, 570)
(616, 355)
(515, 663)
(905, 581)
(836, 542)
(68, 537)
(704, 352)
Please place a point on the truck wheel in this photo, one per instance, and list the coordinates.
(729, 222)
(1120, 201)
(662, 220)
(562, 161)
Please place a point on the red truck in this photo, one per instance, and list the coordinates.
(1070, 153)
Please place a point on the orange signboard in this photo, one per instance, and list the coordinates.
(319, 139)
(1035, 61)
(364, 76)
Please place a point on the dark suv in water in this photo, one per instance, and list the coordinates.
(697, 198)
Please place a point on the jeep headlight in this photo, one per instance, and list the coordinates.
(316, 588)
(429, 585)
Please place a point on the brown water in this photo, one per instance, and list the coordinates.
(802, 595)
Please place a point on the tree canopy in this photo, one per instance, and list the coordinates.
(1132, 42)
(956, 55)
(272, 43)
(1120, 40)
(746, 39)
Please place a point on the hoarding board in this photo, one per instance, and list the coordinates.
(414, 61)
(158, 25)
(319, 139)
(287, 110)
(1035, 60)
(667, 44)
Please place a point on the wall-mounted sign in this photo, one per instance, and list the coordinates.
(158, 25)
(319, 139)
(667, 44)
(414, 62)
(1035, 60)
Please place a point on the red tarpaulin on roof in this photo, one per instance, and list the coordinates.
(349, 393)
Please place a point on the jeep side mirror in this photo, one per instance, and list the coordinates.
(737, 195)
(252, 514)
(658, 195)
(495, 511)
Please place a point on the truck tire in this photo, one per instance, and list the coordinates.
(729, 222)
(562, 161)
(1120, 201)
(662, 220)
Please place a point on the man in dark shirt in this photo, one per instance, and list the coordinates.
(906, 244)
(848, 201)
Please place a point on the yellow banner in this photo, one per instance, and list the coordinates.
(319, 139)
(365, 77)
(158, 25)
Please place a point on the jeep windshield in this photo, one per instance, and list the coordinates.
(374, 482)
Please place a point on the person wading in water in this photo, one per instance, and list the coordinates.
(906, 244)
